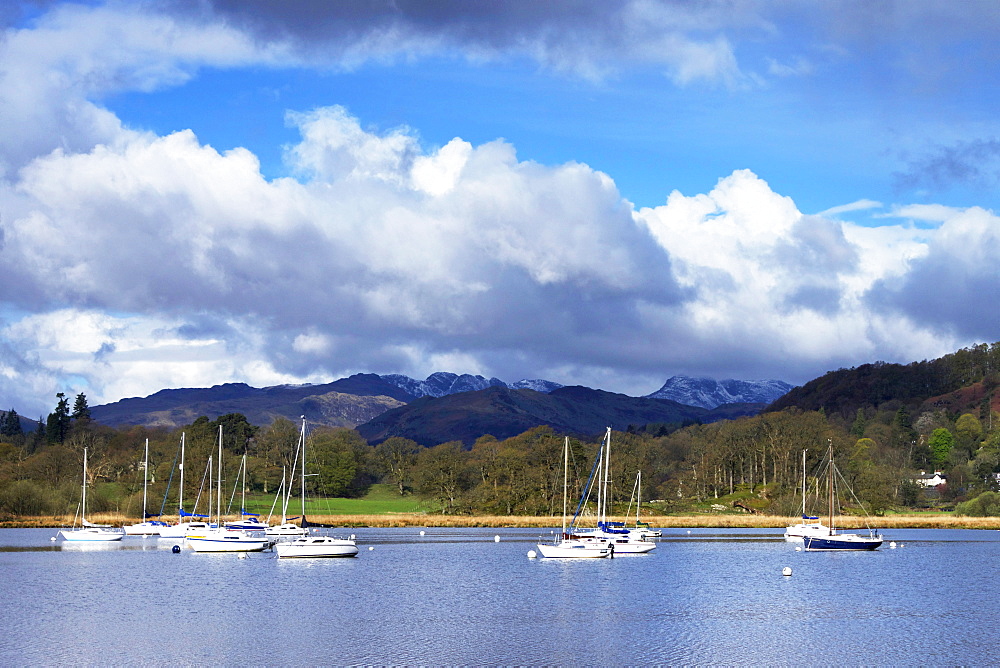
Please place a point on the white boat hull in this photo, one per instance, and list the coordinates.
(625, 543)
(795, 533)
(316, 546)
(144, 529)
(248, 525)
(574, 549)
(183, 529)
(286, 530)
(227, 541)
(92, 534)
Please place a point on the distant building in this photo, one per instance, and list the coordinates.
(930, 479)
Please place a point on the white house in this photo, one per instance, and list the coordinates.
(930, 479)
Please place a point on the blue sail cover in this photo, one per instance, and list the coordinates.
(809, 517)
(243, 511)
(185, 513)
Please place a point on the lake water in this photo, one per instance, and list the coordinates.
(454, 596)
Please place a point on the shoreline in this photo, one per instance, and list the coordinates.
(499, 521)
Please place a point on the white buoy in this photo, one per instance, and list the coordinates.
(798, 548)
(53, 538)
(893, 545)
(421, 533)
(352, 537)
(370, 548)
(786, 571)
(689, 531)
(531, 554)
(243, 555)
(496, 539)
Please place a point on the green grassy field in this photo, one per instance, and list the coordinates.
(380, 500)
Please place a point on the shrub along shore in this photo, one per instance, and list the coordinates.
(710, 521)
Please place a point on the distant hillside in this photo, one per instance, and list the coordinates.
(503, 412)
(845, 390)
(344, 403)
(711, 393)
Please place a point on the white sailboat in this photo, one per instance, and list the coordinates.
(313, 545)
(248, 521)
(183, 527)
(147, 527)
(809, 526)
(642, 528)
(90, 532)
(625, 541)
(572, 548)
(285, 528)
(221, 538)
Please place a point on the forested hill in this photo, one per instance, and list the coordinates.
(870, 385)
(503, 412)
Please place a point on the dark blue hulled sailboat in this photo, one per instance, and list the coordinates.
(831, 539)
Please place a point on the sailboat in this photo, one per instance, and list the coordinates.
(810, 525)
(148, 527)
(839, 540)
(642, 528)
(183, 526)
(248, 521)
(90, 532)
(312, 545)
(221, 538)
(285, 528)
(567, 547)
(625, 541)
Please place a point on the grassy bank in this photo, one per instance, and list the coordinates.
(420, 519)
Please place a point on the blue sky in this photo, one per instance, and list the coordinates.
(603, 193)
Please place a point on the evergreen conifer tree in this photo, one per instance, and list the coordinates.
(81, 411)
(10, 425)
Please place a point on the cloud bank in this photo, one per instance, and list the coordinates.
(134, 261)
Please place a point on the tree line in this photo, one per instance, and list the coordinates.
(753, 462)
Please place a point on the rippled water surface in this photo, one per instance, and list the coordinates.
(454, 596)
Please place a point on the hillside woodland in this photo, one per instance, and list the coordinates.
(887, 423)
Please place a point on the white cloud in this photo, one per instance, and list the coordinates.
(143, 261)
(860, 205)
(772, 282)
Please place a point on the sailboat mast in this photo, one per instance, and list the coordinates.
(829, 479)
(83, 502)
(219, 490)
(180, 494)
(607, 475)
(565, 482)
(145, 476)
(302, 438)
(638, 496)
(803, 484)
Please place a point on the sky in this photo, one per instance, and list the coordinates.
(608, 194)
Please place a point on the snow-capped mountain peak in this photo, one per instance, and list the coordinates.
(710, 393)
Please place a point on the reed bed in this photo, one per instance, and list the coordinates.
(709, 521)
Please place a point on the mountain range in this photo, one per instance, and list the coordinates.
(445, 406)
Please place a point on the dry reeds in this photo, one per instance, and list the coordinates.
(711, 521)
